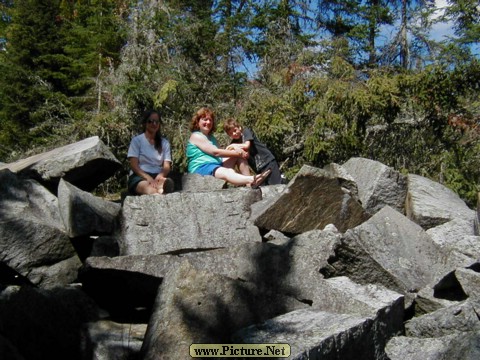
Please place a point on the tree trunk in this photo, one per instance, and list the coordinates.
(404, 53)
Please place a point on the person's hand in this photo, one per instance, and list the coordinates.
(241, 153)
(151, 181)
(245, 154)
(239, 150)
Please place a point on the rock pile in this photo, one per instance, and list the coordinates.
(346, 262)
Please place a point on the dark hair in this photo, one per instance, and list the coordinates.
(200, 114)
(158, 134)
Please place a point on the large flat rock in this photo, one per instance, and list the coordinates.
(313, 199)
(430, 203)
(457, 237)
(198, 183)
(290, 269)
(391, 250)
(85, 214)
(314, 334)
(195, 306)
(182, 222)
(464, 346)
(378, 185)
(32, 234)
(459, 317)
(85, 164)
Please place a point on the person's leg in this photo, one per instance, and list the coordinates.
(242, 165)
(231, 176)
(229, 162)
(144, 188)
(138, 185)
(244, 168)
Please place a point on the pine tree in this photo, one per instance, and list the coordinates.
(30, 71)
(94, 36)
(466, 14)
(357, 22)
(233, 44)
(280, 36)
(57, 54)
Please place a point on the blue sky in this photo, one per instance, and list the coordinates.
(441, 29)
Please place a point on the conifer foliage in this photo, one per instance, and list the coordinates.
(54, 53)
(31, 68)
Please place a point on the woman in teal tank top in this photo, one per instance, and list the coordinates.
(204, 157)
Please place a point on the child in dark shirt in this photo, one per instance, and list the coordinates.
(260, 157)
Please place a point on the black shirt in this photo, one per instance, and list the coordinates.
(260, 156)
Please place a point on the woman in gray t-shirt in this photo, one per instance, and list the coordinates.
(150, 159)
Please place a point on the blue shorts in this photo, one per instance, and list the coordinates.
(207, 169)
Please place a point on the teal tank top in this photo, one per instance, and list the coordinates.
(197, 158)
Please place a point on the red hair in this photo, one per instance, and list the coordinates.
(200, 114)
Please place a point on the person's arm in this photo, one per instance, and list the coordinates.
(248, 137)
(167, 165)
(137, 170)
(160, 178)
(167, 162)
(207, 147)
(246, 145)
(243, 146)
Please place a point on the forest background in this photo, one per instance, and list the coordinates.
(318, 81)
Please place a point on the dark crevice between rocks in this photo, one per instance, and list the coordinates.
(83, 246)
(186, 251)
(475, 267)
(46, 324)
(476, 313)
(127, 296)
(306, 301)
(449, 289)
(9, 276)
(410, 310)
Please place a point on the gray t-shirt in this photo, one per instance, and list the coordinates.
(149, 159)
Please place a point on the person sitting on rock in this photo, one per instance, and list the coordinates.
(204, 157)
(150, 159)
(260, 157)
